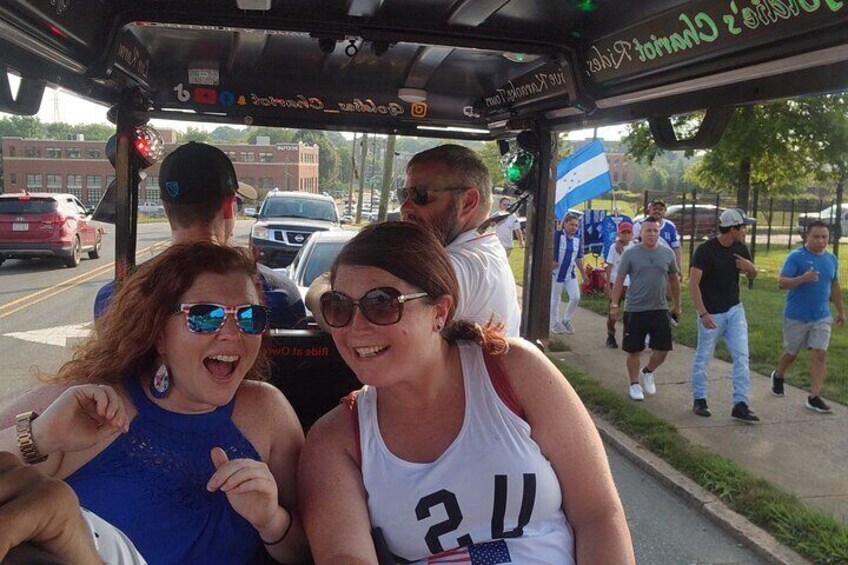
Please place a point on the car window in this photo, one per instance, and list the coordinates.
(320, 260)
(296, 208)
(79, 207)
(28, 206)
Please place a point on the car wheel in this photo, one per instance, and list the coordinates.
(73, 260)
(95, 253)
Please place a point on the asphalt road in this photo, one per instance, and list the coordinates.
(46, 308)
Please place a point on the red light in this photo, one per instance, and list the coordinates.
(25, 197)
(56, 31)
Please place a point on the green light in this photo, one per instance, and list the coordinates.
(587, 5)
(516, 164)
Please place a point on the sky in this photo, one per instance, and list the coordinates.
(75, 110)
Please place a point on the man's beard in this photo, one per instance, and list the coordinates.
(445, 225)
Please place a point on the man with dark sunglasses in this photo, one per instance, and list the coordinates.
(200, 194)
(448, 190)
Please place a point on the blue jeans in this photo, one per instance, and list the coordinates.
(733, 327)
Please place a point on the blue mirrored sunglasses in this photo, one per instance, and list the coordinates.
(203, 318)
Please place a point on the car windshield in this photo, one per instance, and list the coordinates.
(27, 206)
(320, 260)
(299, 208)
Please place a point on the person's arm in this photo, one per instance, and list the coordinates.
(744, 264)
(332, 494)
(43, 511)
(81, 417)
(836, 298)
(697, 300)
(615, 298)
(678, 258)
(562, 428)
(786, 282)
(674, 284)
(519, 233)
(313, 299)
(263, 492)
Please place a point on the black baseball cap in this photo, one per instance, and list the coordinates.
(197, 172)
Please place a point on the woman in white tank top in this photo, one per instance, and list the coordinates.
(463, 446)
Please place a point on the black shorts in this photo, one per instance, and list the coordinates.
(639, 325)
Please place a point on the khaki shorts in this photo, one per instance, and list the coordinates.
(799, 335)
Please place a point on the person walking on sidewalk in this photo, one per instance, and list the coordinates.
(613, 260)
(810, 274)
(669, 237)
(714, 286)
(509, 228)
(568, 258)
(652, 270)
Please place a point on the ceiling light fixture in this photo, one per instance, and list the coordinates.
(521, 57)
(412, 95)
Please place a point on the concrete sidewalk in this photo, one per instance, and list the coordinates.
(803, 452)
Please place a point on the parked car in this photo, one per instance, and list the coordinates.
(316, 256)
(285, 222)
(154, 209)
(706, 219)
(828, 215)
(47, 225)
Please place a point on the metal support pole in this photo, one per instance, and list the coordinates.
(694, 224)
(770, 220)
(126, 191)
(754, 229)
(536, 299)
(837, 229)
(791, 222)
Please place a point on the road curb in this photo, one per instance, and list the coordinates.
(740, 528)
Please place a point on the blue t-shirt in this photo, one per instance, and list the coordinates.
(808, 302)
(281, 296)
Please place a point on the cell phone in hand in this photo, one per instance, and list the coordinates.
(673, 319)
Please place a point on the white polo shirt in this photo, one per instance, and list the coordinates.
(486, 283)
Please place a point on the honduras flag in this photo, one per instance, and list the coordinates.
(581, 176)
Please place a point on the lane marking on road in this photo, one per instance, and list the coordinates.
(58, 335)
(24, 302)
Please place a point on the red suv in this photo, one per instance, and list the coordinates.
(47, 225)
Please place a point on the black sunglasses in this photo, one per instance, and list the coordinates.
(420, 195)
(381, 306)
(202, 318)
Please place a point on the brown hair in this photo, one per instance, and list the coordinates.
(414, 254)
(466, 167)
(123, 345)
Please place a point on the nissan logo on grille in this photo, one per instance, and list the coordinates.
(299, 238)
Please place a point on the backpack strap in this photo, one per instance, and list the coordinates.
(350, 401)
(504, 390)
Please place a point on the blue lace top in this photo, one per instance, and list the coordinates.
(151, 483)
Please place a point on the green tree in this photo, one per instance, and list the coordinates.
(759, 149)
(227, 134)
(21, 126)
(491, 157)
(329, 165)
(196, 134)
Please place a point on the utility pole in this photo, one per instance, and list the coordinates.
(349, 203)
(362, 159)
(388, 168)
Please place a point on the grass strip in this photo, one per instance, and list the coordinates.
(809, 531)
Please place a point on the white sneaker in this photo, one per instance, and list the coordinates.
(636, 392)
(566, 326)
(648, 382)
(558, 328)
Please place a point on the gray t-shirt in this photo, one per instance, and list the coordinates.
(648, 270)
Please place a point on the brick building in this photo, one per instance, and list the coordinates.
(80, 167)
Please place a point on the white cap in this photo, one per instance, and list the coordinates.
(733, 217)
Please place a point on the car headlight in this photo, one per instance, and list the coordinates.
(259, 231)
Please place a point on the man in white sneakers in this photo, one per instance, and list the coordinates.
(653, 270)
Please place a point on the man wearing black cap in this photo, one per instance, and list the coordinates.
(714, 286)
(199, 188)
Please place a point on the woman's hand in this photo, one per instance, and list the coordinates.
(251, 490)
(81, 417)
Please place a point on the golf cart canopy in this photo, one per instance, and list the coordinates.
(474, 69)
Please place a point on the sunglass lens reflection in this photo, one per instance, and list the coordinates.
(252, 319)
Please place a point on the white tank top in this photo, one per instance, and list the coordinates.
(490, 498)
